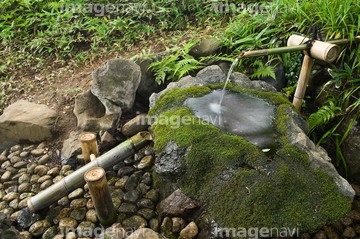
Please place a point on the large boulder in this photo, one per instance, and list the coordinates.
(235, 181)
(205, 47)
(26, 122)
(115, 85)
(90, 113)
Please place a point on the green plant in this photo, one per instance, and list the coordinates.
(263, 70)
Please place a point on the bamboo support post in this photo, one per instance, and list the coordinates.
(76, 179)
(303, 81)
(100, 195)
(88, 146)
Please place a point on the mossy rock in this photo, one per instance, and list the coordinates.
(234, 180)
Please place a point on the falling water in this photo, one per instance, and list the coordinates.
(227, 80)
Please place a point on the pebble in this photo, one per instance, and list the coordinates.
(71, 235)
(30, 147)
(131, 183)
(84, 228)
(5, 164)
(121, 182)
(78, 214)
(31, 167)
(89, 204)
(54, 171)
(35, 188)
(50, 233)
(34, 179)
(126, 171)
(10, 196)
(2, 158)
(146, 178)
(24, 154)
(39, 227)
(25, 195)
(37, 152)
(6, 176)
(24, 178)
(77, 193)
(166, 225)
(59, 236)
(14, 159)
(153, 195)
(44, 159)
(78, 203)
(64, 169)
(64, 202)
(46, 184)
(132, 196)
(146, 162)
(44, 178)
(41, 170)
(346, 221)
(14, 203)
(145, 203)
(127, 208)
(26, 235)
(68, 172)
(178, 224)
(146, 213)
(58, 179)
(23, 203)
(9, 184)
(190, 231)
(349, 232)
(20, 164)
(64, 213)
(12, 170)
(24, 187)
(135, 222)
(67, 222)
(91, 216)
(15, 148)
(154, 224)
(12, 189)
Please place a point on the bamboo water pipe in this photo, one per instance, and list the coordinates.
(100, 195)
(88, 146)
(76, 179)
(325, 51)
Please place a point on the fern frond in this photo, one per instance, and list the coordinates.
(323, 116)
(263, 70)
(217, 58)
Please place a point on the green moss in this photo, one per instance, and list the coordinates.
(251, 194)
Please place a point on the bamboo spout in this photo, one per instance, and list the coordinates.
(76, 179)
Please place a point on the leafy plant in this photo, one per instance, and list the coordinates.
(263, 70)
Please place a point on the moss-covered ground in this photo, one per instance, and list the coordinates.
(236, 181)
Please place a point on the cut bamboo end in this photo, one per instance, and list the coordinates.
(100, 195)
(88, 146)
(320, 50)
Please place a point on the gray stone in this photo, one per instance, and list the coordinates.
(34, 179)
(10, 196)
(115, 84)
(135, 125)
(153, 195)
(205, 47)
(146, 213)
(145, 233)
(44, 159)
(145, 203)
(39, 227)
(132, 196)
(148, 84)
(107, 140)
(90, 113)
(131, 183)
(189, 232)
(26, 218)
(125, 171)
(71, 148)
(78, 203)
(127, 208)
(23, 203)
(135, 222)
(64, 213)
(146, 162)
(24, 122)
(24, 154)
(121, 182)
(177, 204)
(25, 178)
(154, 224)
(85, 229)
(78, 214)
(46, 184)
(64, 202)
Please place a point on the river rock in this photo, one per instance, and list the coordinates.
(37, 152)
(91, 216)
(26, 218)
(14, 159)
(90, 113)
(24, 121)
(24, 187)
(24, 154)
(127, 208)
(131, 196)
(85, 229)
(67, 223)
(44, 178)
(6, 176)
(115, 84)
(178, 224)
(10, 196)
(49, 233)
(77, 193)
(135, 222)
(71, 148)
(146, 213)
(154, 224)
(177, 204)
(145, 233)
(20, 164)
(41, 170)
(39, 227)
(189, 232)
(184, 156)
(205, 47)
(135, 125)
(78, 203)
(44, 159)
(25, 178)
(78, 214)
(146, 162)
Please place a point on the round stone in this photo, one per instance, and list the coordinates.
(46, 184)
(37, 152)
(90, 204)
(34, 179)
(24, 187)
(145, 203)
(5, 164)
(125, 171)
(68, 172)
(44, 178)
(24, 154)
(91, 216)
(146, 213)
(78, 214)
(64, 213)
(127, 208)
(153, 195)
(24, 178)
(190, 231)
(23, 203)
(14, 204)
(67, 223)
(14, 216)
(154, 224)
(2, 158)
(78, 203)
(64, 169)
(131, 183)
(146, 178)
(121, 182)
(85, 229)
(39, 227)
(44, 159)
(77, 193)
(12, 170)
(71, 235)
(135, 222)
(146, 162)
(26, 235)
(54, 171)
(14, 159)
(12, 189)
(31, 167)
(41, 170)
(2, 194)
(35, 188)
(20, 164)
(144, 188)
(15, 148)
(178, 224)
(132, 196)
(25, 195)
(6, 176)
(50, 233)
(10, 196)
(58, 179)
(64, 202)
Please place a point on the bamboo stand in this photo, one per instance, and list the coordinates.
(88, 146)
(100, 195)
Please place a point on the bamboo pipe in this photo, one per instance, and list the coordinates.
(76, 179)
(100, 195)
(88, 146)
(303, 81)
(288, 49)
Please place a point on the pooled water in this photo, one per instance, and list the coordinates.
(241, 114)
